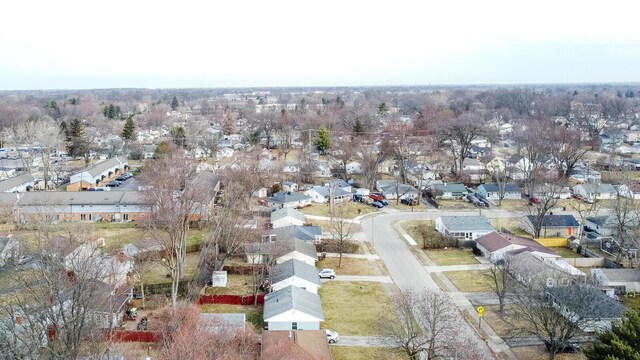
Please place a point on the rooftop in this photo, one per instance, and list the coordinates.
(462, 223)
(292, 298)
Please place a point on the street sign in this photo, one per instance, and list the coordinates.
(480, 311)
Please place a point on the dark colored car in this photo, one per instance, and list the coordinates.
(113, 183)
(409, 201)
(377, 204)
(121, 178)
(569, 347)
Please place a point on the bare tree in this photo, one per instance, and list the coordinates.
(341, 230)
(533, 148)
(501, 175)
(370, 159)
(625, 220)
(501, 280)
(286, 133)
(266, 123)
(543, 199)
(176, 196)
(567, 149)
(420, 322)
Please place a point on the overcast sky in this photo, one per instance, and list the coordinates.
(224, 43)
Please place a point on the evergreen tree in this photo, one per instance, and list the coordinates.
(162, 149)
(358, 128)
(382, 109)
(174, 103)
(77, 144)
(64, 131)
(129, 130)
(323, 143)
(621, 342)
(179, 136)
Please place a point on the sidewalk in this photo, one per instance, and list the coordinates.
(404, 234)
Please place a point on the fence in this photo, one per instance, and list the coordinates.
(229, 299)
(553, 241)
(585, 262)
(132, 336)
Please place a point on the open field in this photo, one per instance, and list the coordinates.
(254, 313)
(353, 308)
(366, 353)
(452, 257)
(347, 210)
(631, 302)
(236, 285)
(350, 266)
(470, 280)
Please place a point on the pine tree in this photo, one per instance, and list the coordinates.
(174, 103)
(129, 130)
(179, 136)
(77, 142)
(358, 128)
(621, 342)
(162, 149)
(323, 143)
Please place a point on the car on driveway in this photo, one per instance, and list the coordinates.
(332, 336)
(114, 183)
(122, 178)
(327, 274)
(377, 204)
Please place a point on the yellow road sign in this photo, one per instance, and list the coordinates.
(480, 311)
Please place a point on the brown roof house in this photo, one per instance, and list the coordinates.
(495, 245)
(295, 345)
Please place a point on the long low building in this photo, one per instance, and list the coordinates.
(98, 174)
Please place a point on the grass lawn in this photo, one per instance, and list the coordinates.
(470, 280)
(512, 205)
(502, 325)
(511, 224)
(156, 273)
(350, 266)
(631, 302)
(254, 313)
(451, 257)
(411, 228)
(566, 253)
(117, 235)
(236, 285)
(366, 353)
(455, 205)
(347, 210)
(353, 308)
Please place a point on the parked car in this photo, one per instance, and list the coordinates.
(409, 201)
(122, 178)
(569, 347)
(114, 183)
(327, 273)
(377, 204)
(127, 175)
(377, 197)
(332, 336)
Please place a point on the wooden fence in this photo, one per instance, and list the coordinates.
(229, 299)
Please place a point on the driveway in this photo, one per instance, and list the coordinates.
(128, 185)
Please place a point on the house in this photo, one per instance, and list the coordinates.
(603, 225)
(612, 246)
(354, 167)
(304, 233)
(98, 174)
(72, 253)
(290, 186)
(621, 280)
(463, 228)
(110, 304)
(552, 225)
(288, 199)
(20, 183)
(473, 169)
(322, 194)
(291, 166)
(341, 184)
(449, 191)
(548, 191)
(260, 193)
(591, 192)
(143, 248)
(542, 270)
(629, 191)
(8, 249)
(322, 169)
(304, 251)
(295, 345)
(297, 273)
(585, 305)
(492, 191)
(399, 191)
(495, 246)
(286, 216)
(292, 308)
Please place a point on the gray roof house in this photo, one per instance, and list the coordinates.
(622, 280)
(449, 191)
(464, 228)
(289, 199)
(492, 191)
(286, 216)
(320, 194)
(297, 273)
(552, 225)
(20, 183)
(542, 270)
(603, 225)
(297, 249)
(292, 308)
(591, 192)
(587, 306)
(306, 233)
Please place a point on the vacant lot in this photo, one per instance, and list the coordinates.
(470, 280)
(451, 257)
(347, 210)
(350, 266)
(353, 308)
(254, 313)
(455, 205)
(366, 353)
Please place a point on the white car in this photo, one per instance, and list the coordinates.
(327, 273)
(332, 336)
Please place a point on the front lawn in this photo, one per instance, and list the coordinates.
(366, 353)
(539, 352)
(350, 266)
(254, 313)
(347, 210)
(455, 205)
(452, 257)
(353, 308)
(470, 280)
(412, 227)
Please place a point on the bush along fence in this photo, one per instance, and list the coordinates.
(132, 336)
(229, 299)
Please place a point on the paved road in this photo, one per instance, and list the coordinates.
(405, 269)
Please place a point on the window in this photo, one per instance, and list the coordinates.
(56, 217)
(550, 282)
(294, 326)
(83, 216)
(125, 217)
(91, 217)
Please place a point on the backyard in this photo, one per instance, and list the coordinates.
(156, 273)
(236, 285)
(348, 316)
(254, 313)
(566, 253)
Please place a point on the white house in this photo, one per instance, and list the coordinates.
(8, 249)
(630, 191)
(474, 169)
(622, 280)
(448, 191)
(289, 186)
(292, 308)
(495, 245)
(354, 167)
(291, 167)
(289, 199)
(322, 169)
(321, 194)
(492, 191)
(20, 183)
(295, 273)
(286, 217)
(304, 251)
(463, 228)
(591, 192)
